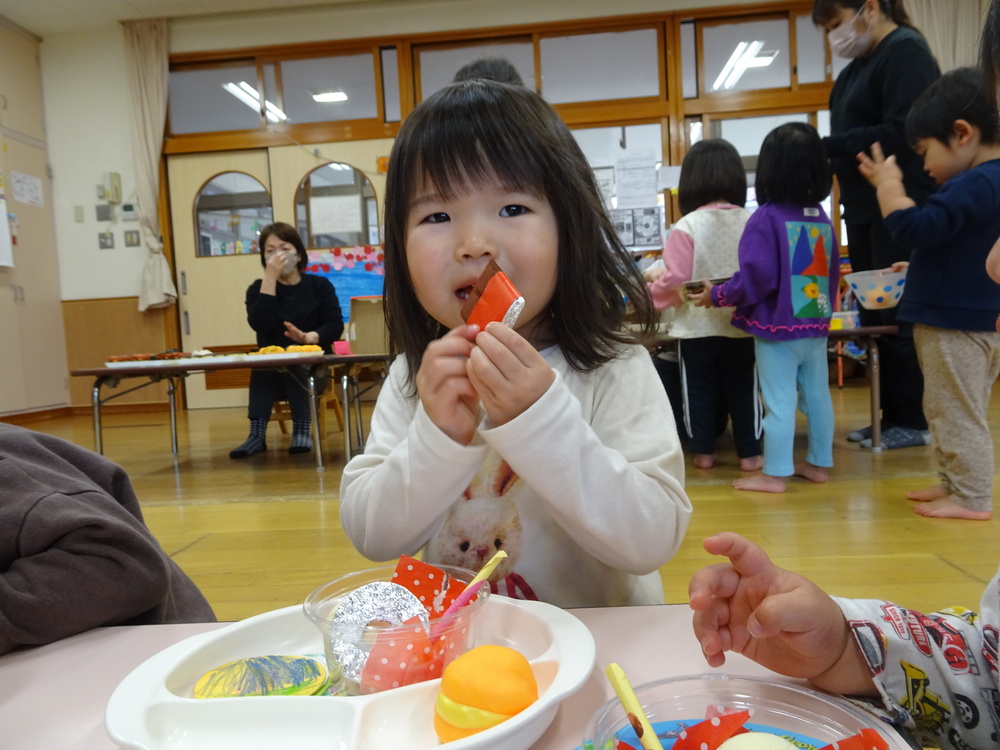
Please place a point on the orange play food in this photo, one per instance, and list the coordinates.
(482, 688)
(494, 297)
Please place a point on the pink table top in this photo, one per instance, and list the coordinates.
(55, 696)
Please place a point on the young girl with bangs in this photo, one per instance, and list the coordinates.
(783, 293)
(552, 440)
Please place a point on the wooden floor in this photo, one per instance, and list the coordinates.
(262, 533)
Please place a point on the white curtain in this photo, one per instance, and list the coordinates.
(952, 29)
(146, 55)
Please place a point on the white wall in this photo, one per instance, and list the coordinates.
(87, 106)
(87, 116)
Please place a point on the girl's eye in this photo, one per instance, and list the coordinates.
(437, 218)
(514, 209)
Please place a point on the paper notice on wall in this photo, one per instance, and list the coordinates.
(635, 184)
(6, 244)
(335, 214)
(27, 188)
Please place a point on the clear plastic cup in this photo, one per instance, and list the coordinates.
(393, 655)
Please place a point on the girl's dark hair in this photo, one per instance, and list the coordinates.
(286, 233)
(792, 166)
(824, 10)
(485, 132)
(957, 95)
(989, 50)
(712, 170)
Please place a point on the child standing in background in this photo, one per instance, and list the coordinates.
(716, 359)
(783, 294)
(551, 440)
(949, 296)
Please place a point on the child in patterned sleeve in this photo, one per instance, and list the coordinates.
(934, 675)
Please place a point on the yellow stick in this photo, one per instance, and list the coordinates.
(633, 710)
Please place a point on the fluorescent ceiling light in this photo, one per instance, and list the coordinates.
(249, 96)
(326, 97)
(746, 55)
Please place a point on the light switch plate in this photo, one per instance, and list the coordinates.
(132, 238)
(106, 240)
(104, 212)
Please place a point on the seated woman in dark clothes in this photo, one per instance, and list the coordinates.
(287, 306)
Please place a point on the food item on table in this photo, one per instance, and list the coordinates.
(172, 355)
(263, 675)
(202, 353)
(757, 741)
(270, 350)
(482, 688)
(493, 297)
(129, 358)
(304, 348)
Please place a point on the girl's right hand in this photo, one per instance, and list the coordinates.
(444, 386)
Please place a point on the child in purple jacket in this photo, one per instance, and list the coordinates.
(783, 294)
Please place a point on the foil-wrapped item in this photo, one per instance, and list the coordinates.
(383, 603)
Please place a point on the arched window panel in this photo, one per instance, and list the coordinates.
(230, 210)
(328, 89)
(609, 65)
(745, 56)
(209, 100)
(335, 207)
(438, 64)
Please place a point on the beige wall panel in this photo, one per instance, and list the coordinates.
(99, 328)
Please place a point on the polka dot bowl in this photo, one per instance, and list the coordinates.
(804, 717)
(876, 290)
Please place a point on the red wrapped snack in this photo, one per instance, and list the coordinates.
(493, 297)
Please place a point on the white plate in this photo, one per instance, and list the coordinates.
(153, 708)
(181, 362)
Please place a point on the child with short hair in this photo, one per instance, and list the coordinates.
(552, 440)
(783, 293)
(949, 296)
(716, 359)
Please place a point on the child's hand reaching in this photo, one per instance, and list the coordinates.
(704, 297)
(887, 179)
(777, 618)
(443, 384)
(507, 372)
(878, 168)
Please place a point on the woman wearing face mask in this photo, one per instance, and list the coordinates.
(286, 307)
(890, 66)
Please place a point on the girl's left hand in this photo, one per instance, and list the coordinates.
(507, 372)
(300, 337)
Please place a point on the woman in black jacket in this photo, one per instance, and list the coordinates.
(287, 306)
(891, 65)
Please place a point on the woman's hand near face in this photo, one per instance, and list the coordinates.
(507, 372)
(444, 387)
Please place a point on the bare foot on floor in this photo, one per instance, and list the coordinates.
(704, 460)
(813, 473)
(760, 483)
(927, 494)
(753, 463)
(945, 507)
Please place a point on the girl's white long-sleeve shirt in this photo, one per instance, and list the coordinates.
(584, 490)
